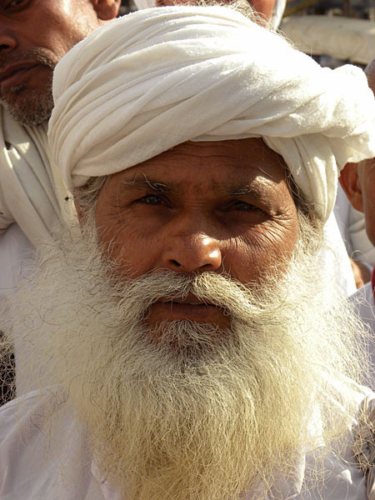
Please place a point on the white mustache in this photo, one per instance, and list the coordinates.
(219, 290)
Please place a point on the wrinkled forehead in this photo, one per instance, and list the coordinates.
(228, 161)
(206, 171)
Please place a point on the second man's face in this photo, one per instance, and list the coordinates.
(34, 36)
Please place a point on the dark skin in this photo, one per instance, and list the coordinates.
(263, 7)
(34, 35)
(200, 207)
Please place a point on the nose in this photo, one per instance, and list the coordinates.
(189, 249)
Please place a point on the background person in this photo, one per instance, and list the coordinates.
(34, 35)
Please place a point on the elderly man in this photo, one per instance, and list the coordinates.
(33, 198)
(195, 350)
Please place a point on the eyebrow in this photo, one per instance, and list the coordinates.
(156, 186)
(255, 188)
(245, 189)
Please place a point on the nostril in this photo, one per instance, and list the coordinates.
(175, 263)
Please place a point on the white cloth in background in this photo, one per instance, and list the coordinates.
(15, 248)
(32, 205)
(32, 192)
(334, 258)
(159, 77)
(56, 465)
(353, 230)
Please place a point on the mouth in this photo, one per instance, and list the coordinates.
(14, 75)
(190, 308)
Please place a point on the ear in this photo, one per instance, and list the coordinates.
(349, 181)
(106, 10)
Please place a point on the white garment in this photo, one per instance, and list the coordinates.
(353, 230)
(334, 258)
(57, 466)
(32, 192)
(159, 77)
(32, 205)
(15, 248)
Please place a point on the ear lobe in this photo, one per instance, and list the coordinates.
(349, 181)
(106, 10)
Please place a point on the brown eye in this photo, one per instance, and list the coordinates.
(150, 199)
(15, 3)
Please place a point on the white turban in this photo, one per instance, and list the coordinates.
(159, 77)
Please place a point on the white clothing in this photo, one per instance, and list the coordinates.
(353, 230)
(36, 465)
(334, 258)
(15, 248)
(32, 205)
(156, 78)
(32, 192)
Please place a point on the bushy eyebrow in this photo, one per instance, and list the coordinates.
(244, 189)
(141, 182)
(255, 188)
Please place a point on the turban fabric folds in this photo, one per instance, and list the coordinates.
(159, 77)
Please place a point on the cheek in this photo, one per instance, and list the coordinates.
(127, 246)
(262, 252)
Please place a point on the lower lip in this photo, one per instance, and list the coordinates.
(174, 311)
(16, 78)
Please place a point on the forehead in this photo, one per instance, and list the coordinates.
(212, 165)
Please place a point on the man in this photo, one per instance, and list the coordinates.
(358, 182)
(33, 198)
(195, 350)
(34, 35)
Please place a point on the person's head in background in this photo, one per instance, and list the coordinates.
(34, 35)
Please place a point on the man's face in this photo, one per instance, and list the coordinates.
(203, 206)
(34, 35)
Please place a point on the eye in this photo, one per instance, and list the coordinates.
(150, 199)
(15, 3)
(242, 206)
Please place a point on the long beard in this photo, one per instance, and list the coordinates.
(201, 413)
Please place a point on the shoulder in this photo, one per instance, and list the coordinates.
(342, 472)
(363, 297)
(42, 447)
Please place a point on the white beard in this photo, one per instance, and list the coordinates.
(201, 414)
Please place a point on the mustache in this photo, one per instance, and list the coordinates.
(35, 54)
(236, 299)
